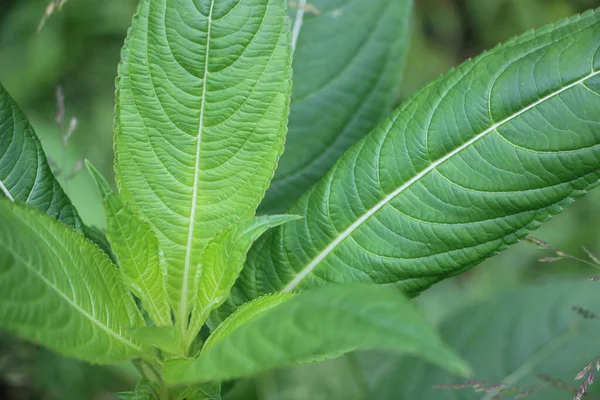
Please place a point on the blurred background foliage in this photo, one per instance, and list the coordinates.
(78, 50)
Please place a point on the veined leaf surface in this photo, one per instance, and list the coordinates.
(465, 168)
(59, 290)
(513, 340)
(313, 325)
(25, 175)
(348, 61)
(221, 263)
(202, 100)
(246, 313)
(136, 248)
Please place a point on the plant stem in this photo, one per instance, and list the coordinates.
(151, 374)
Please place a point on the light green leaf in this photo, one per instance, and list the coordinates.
(512, 340)
(25, 175)
(245, 314)
(143, 391)
(463, 170)
(221, 264)
(167, 339)
(312, 325)
(59, 290)
(348, 61)
(136, 248)
(98, 237)
(209, 391)
(203, 98)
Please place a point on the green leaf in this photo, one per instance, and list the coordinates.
(464, 169)
(167, 339)
(209, 391)
(348, 61)
(336, 379)
(245, 314)
(221, 264)
(136, 248)
(515, 340)
(203, 98)
(25, 175)
(59, 290)
(312, 325)
(98, 237)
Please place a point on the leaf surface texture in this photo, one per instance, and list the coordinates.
(314, 325)
(519, 339)
(25, 175)
(464, 169)
(136, 248)
(348, 61)
(60, 290)
(221, 263)
(203, 98)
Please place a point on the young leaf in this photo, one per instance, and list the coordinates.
(312, 325)
(202, 101)
(245, 314)
(518, 339)
(348, 61)
(464, 169)
(136, 248)
(209, 391)
(25, 175)
(59, 290)
(221, 263)
(167, 339)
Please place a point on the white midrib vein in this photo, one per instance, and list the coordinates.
(183, 307)
(431, 167)
(5, 191)
(298, 22)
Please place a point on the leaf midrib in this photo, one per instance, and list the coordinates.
(89, 316)
(305, 272)
(183, 314)
(6, 192)
(298, 22)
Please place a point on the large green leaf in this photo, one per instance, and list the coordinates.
(25, 175)
(221, 264)
(513, 339)
(464, 169)
(203, 97)
(59, 290)
(348, 61)
(315, 325)
(136, 248)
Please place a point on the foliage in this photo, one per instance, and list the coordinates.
(463, 169)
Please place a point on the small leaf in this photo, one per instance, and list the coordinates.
(25, 175)
(221, 263)
(136, 249)
(59, 290)
(208, 391)
(312, 325)
(245, 314)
